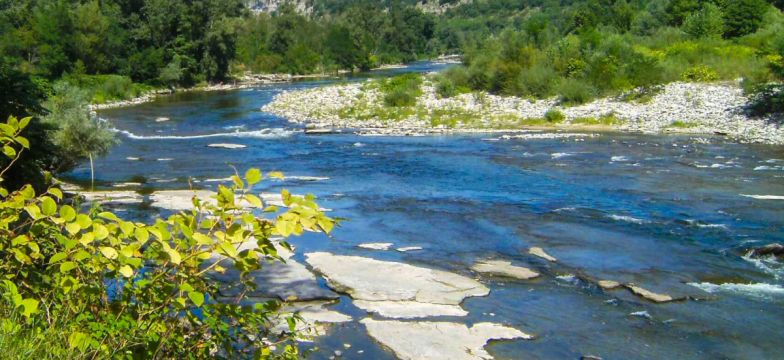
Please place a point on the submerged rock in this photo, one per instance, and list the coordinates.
(537, 251)
(504, 268)
(290, 281)
(439, 340)
(317, 319)
(376, 246)
(409, 248)
(774, 249)
(375, 280)
(409, 309)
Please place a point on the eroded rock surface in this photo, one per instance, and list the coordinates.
(537, 251)
(375, 246)
(649, 295)
(375, 280)
(439, 340)
(504, 268)
(409, 309)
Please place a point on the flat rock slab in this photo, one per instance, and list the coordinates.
(504, 268)
(289, 281)
(409, 248)
(608, 284)
(109, 198)
(374, 280)
(375, 246)
(649, 295)
(227, 146)
(537, 251)
(409, 309)
(317, 320)
(439, 340)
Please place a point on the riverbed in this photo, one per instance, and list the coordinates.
(673, 214)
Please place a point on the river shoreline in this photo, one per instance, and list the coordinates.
(679, 108)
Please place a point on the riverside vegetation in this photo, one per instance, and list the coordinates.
(86, 284)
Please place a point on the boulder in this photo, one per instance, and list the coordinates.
(504, 268)
(439, 340)
(774, 249)
(609, 284)
(374, 280)
(537, 251)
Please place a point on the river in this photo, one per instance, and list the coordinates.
(665, 212)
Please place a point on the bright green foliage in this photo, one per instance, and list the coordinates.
(119, 289)
(554, 116)
(708, 22)
(401, 90)
(700, 73)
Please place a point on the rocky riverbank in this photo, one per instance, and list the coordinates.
(696, 108)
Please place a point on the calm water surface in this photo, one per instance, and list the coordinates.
(664, 212)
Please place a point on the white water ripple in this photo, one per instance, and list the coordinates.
(758, 290)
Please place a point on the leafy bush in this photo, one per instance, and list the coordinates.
(538, 81)
(574, 92)
(119, 289)
(700, 73)
(402, 90)
(708, 22)
(767, 100)
(554, 116)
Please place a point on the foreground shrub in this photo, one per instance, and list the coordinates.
(767, 100)
(402, 90)
(554, 116)
(575, 92)
(700, 73)
(91, 285)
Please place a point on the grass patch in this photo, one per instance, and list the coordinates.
(679, 124)
(400, 91)
(604, 120)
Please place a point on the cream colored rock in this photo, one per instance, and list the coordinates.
(609, 284)
(409, 248)
(112, 197)
(439, 340)
(317, 319)
(649, 295)
(504, 268)
(537, 251)
(375, 246)
(409, 309)
(227, 146)
(374, 280)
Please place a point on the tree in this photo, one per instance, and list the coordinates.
(705, 23)
(78, 135)
(743, 17)
(341, 49)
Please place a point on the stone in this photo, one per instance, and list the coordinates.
(609, 284)
(374, 280)
(409, 248)
(227, 146)
(504, 268)
(409, 309)
(774, 249)
(375, 246)
(649, 295)
(439, 340)
(317, 319)
(161, 119)
(109, 198)
(590, 357)
(289, 280)
(537, 251)
(643, 314)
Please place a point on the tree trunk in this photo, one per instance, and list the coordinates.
(92, 174)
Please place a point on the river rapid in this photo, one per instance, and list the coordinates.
(670, 213)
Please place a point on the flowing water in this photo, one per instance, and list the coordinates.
(664, 212)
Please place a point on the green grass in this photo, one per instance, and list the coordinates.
(679, 124)
(604, 120)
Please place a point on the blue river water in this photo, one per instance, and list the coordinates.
(665, 212)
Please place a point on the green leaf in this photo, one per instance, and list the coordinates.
(57, 257)
(24, 121)
(109, 216)
(29, 307)
(23, 141)
(67, 213)
(126, 271)
(237, 181)
(79, 340)
(33, 211)
(108, 252)
(72, 228)
(174, 256)
(196, 297)
(202, 239)
(141, 234)
(56, 193)
(67, 266)
(9, 151)
(100, 231)
(84, 221)
(48, 206)
(253, 176)
(276, 175)
(253, 200)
